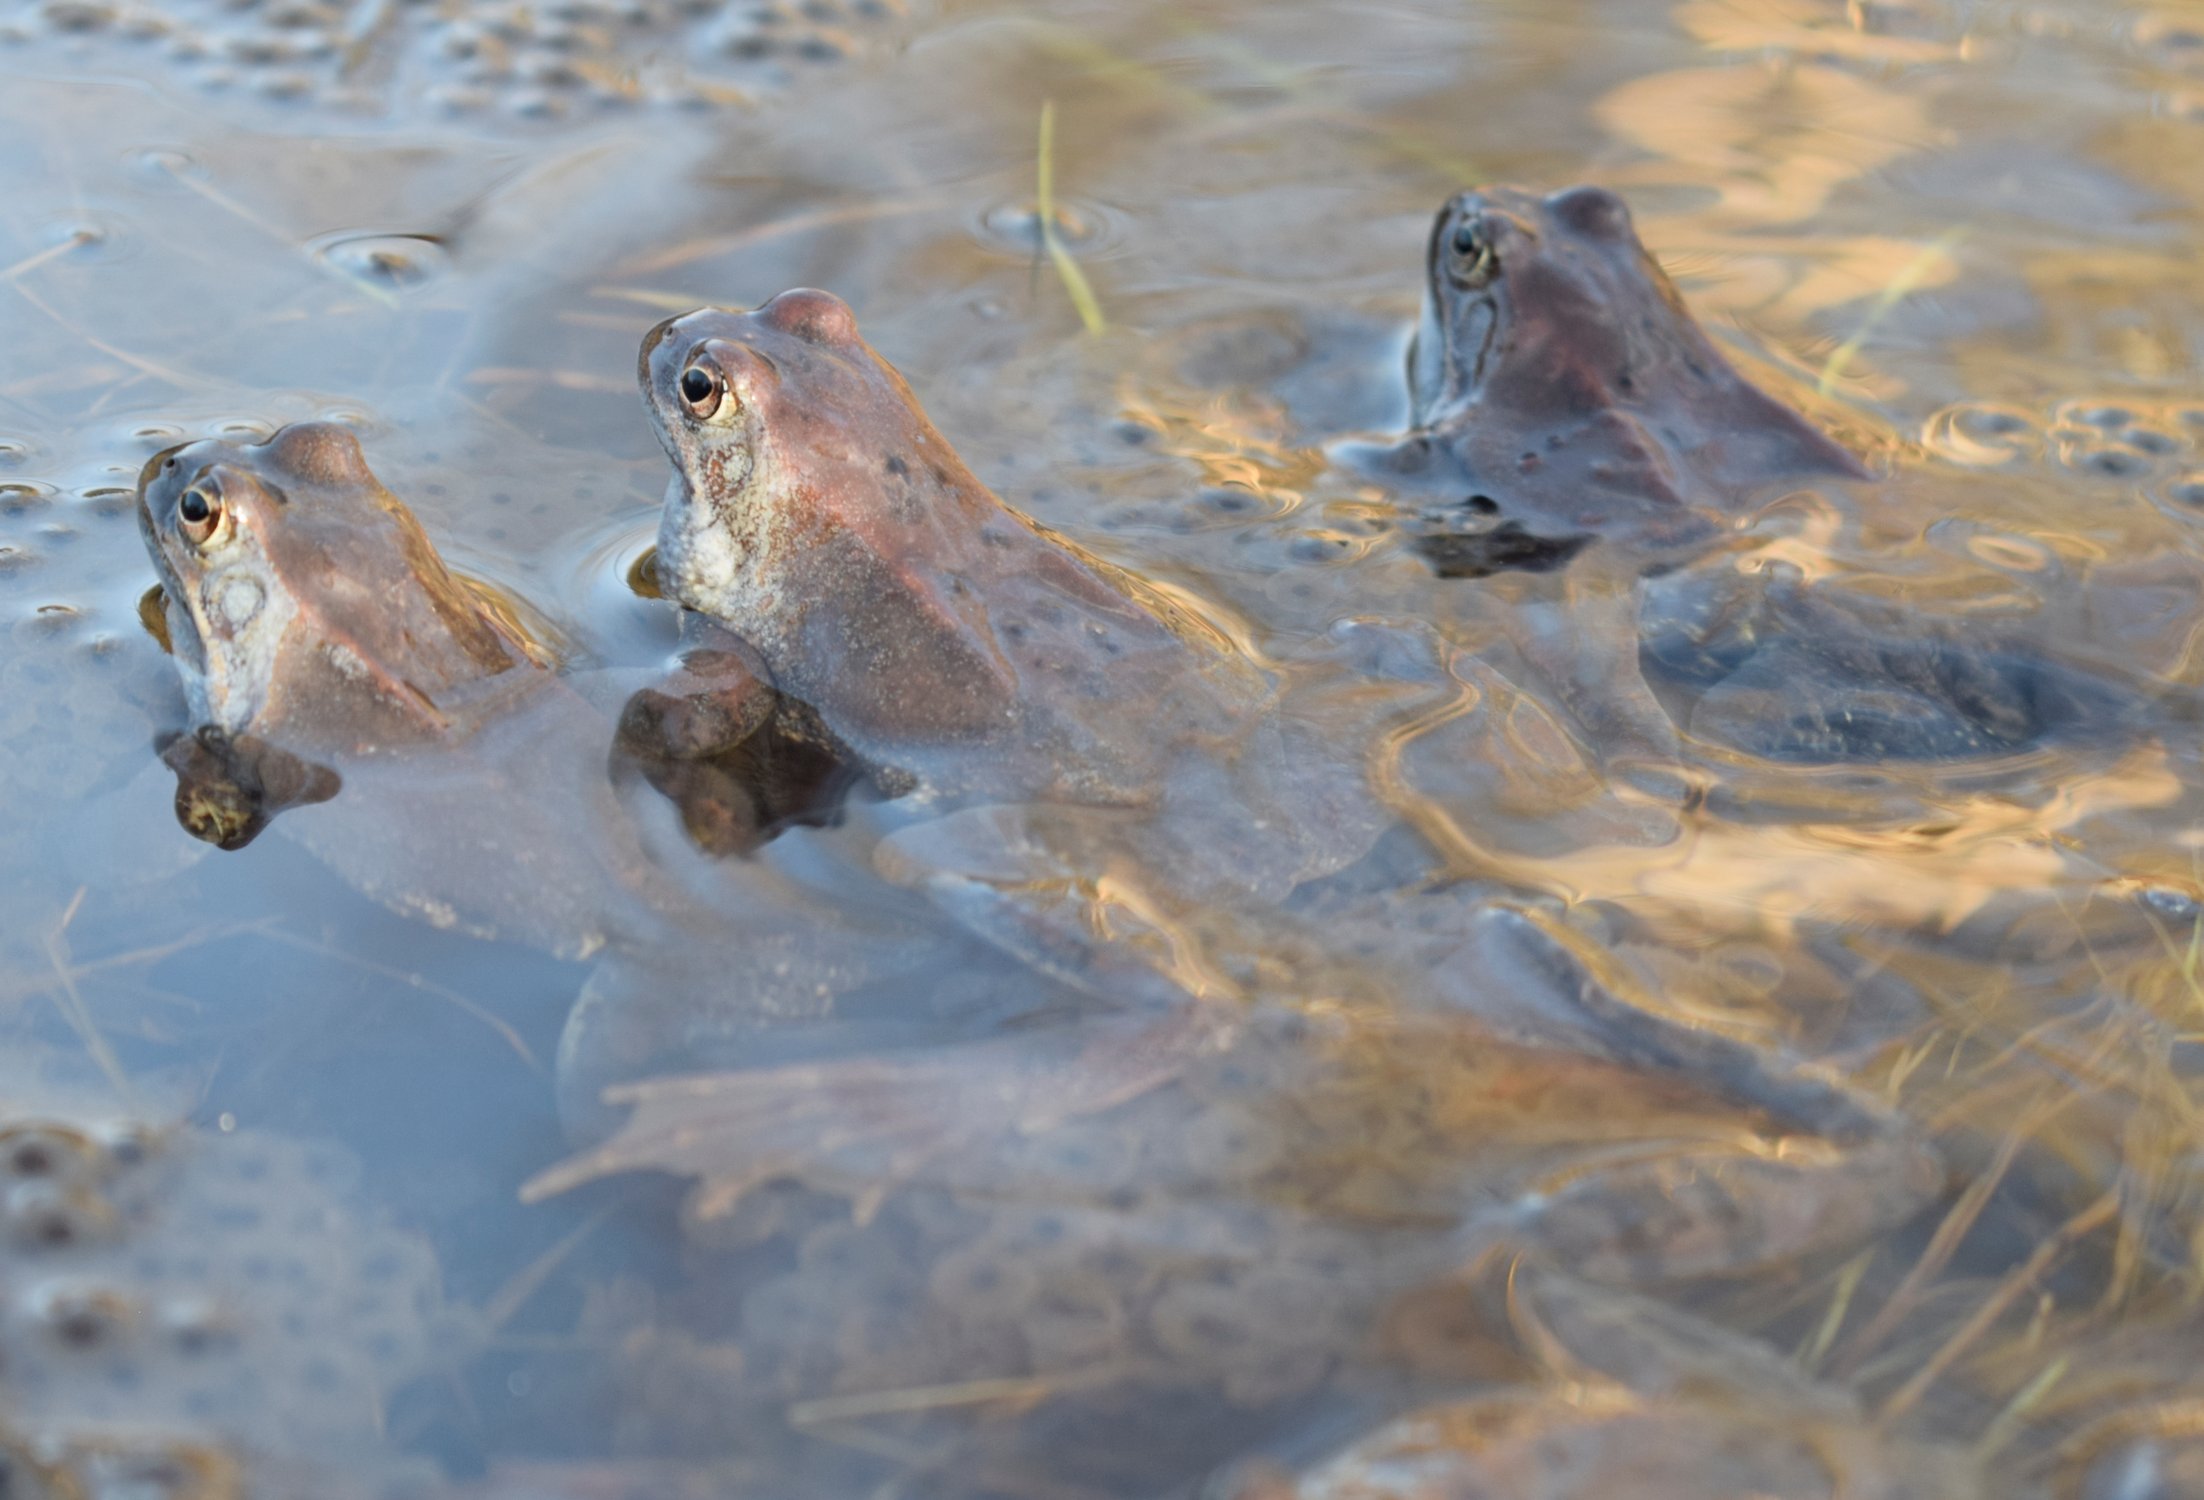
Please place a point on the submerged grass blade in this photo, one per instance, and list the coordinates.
(1908, 277)
(70, 1000)
(1074, 279)
(2047, 1254)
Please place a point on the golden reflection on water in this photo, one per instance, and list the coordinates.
(1979, 224)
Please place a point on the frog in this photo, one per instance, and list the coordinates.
(1561, 393)
(325, 647)
(1751, 656)
(402, 725)
(794, 446)
(979, 660)
(818, 513)
(1212, 1257)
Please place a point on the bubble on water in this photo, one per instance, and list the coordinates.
(286, 85)
(162, 163)
(20, 496)
(2172, 901)
(389, 262)
(155, 436)
(2187, 492)
(2171, 42)
(51, 620)
(2105, 416)
(535, 104)
(1084, 227)
(2106, 462)
(2151, 440)
(1981, 434)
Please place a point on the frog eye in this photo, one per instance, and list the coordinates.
(1474, 258)
(701, 389)
(199, 512)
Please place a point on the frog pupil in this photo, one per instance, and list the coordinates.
(193, 507)
(1465, 240)
(696, 385)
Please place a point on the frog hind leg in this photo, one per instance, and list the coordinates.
(1852, 1170)
(862, 1125)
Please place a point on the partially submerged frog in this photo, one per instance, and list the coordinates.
(816, 512)
(431, 756)
(321, 638)
(1562, 393)
(1067, 716)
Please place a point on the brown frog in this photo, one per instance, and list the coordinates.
(430, 755)
(794, 518)
(312, 621)
(816, 511)
(305, 603)
(1561, 392)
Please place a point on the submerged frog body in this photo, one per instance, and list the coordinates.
(1770, 665)
(325, 645)
(1205, 1258)
(1561, 392)
(461, 781)
(794, 446)
(1632, 1404)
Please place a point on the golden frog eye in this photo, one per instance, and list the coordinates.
(1474, 258)
(199, 512)
(701, 390)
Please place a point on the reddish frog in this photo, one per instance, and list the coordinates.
(815, 511)
(1562, 392)
(432, 757)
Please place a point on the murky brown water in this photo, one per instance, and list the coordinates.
(1960, 235)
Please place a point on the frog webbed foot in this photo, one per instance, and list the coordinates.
(715, 697)
(738, 762)
(1813, 1166)
(229, 788)
(1504, 547)
(863, 1125)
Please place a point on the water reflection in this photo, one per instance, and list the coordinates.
(1995, 938)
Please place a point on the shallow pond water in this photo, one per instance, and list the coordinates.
(1959, 235)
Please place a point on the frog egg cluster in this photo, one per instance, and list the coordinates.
(213, 1287)
(514, 58)
(1214, 1287)
(2146, 445)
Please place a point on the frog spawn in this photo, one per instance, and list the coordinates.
(2112, 443)
(574, 58)
(1224, 1246)
(191, 1315)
